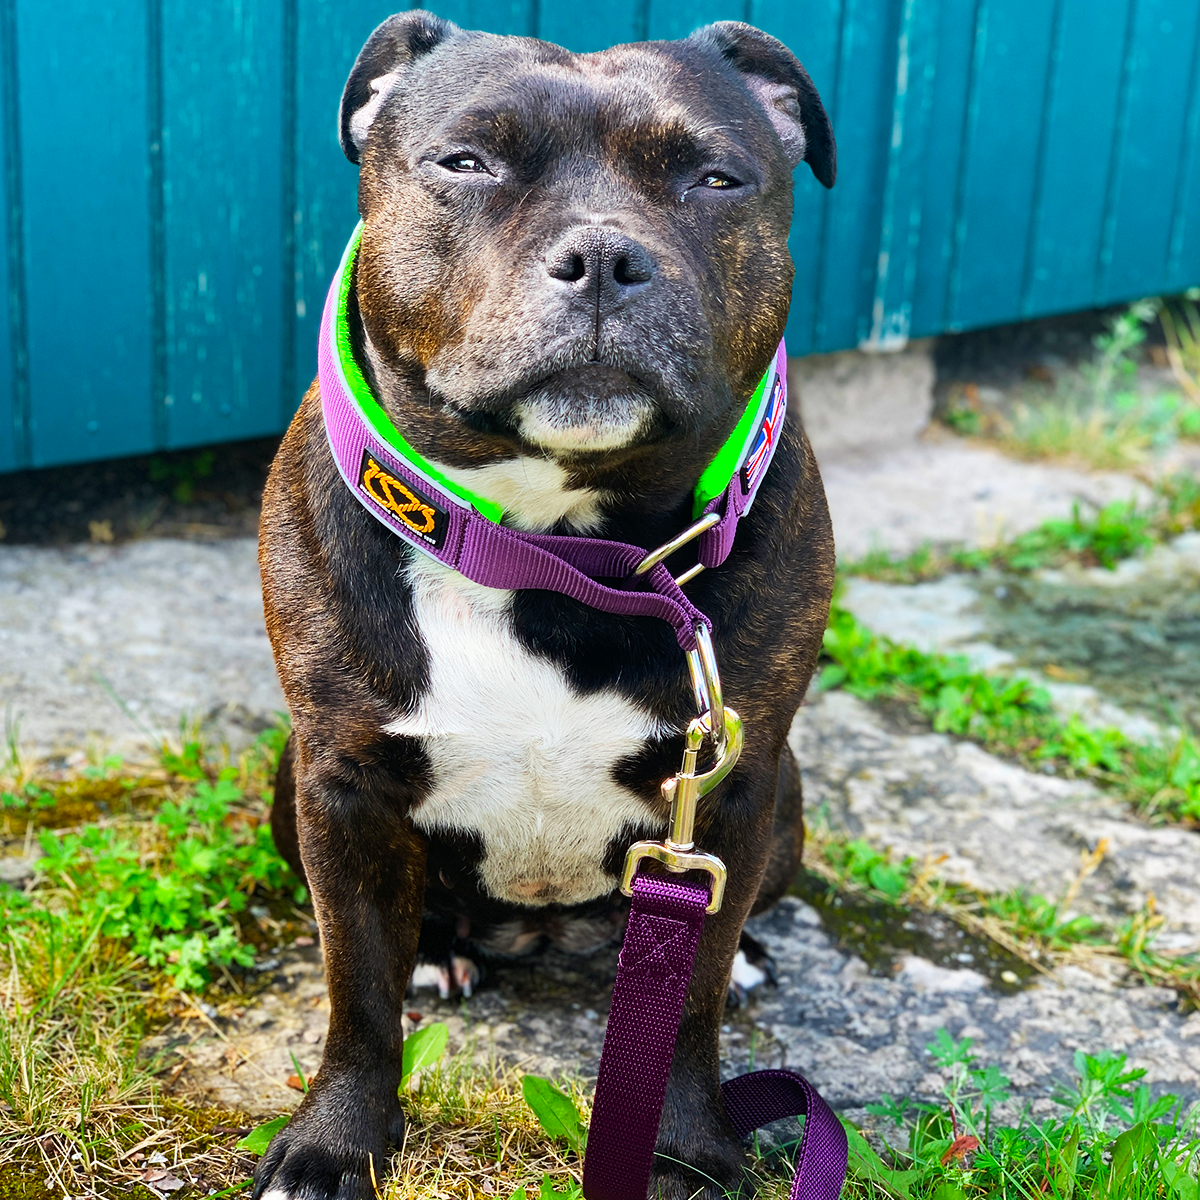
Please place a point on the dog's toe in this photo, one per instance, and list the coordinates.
(431, 977)
(751, 971)
(464, 975)
(459, 976)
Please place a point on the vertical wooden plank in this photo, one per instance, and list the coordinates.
(1183, 256)
(1000, 163)
(946, 137)
(14, 395)
(863, 107)
(87, 221)
(1136, 248)
(222, 127)
(811, 29)
(900, 228)
(670, 19)
(1078, 121)
(493, 16)
(328, 38)
(601, 26)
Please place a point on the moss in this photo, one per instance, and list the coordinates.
(24, 1181)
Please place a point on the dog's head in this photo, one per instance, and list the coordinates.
(580, 257)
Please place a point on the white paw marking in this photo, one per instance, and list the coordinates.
(460, 976)
(745, 974)
(430, 977)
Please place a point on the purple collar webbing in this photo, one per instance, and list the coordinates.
(452, 531)
(665, 923)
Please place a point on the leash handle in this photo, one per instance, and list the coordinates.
(661, 939)
(761, 1097)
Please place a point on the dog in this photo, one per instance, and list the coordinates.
(573, 272)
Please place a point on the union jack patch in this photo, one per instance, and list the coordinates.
(765, 440)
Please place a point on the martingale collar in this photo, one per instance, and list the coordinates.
(414, 499)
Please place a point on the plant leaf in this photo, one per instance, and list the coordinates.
(555, 1111)
(422, 1048)
(948, 1191)
(866, 1164)
(259, 1138)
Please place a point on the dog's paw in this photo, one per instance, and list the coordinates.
(716, 1171)
(753, 967)
(334, 1147)
(457, 977)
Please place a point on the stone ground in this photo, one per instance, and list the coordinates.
(109, 645)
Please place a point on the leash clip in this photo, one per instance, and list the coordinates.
(683, 791)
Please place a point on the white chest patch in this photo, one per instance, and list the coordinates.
(532, 491)
(519, 757)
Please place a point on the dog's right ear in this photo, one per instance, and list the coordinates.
(380, 65)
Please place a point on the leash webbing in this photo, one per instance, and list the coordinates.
(665, 922)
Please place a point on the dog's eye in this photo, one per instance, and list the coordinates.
(717, 180)
(464, 164)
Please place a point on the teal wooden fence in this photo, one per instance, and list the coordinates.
(176, 199)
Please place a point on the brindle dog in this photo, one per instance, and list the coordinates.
(572, 275)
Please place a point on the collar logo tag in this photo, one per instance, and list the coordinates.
(402, 500)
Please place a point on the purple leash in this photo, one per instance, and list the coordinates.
(665, 922)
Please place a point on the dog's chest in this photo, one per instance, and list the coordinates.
(520, 758)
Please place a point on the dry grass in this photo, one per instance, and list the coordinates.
(77, 1107)
(470, 1134)
(1075, 431)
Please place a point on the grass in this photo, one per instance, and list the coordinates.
(1181, 325)
(477, 1130)
(141, 892)
(135, 866)
(1100, 417)
(1011, 716)
(1045, 933)
(144, 890)
(1102, 537)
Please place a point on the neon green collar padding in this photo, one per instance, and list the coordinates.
(711, 484)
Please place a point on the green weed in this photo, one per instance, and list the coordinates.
(1181, 325)
(1110, 1139)
(1102, 537)
(1012, 716)
(1041, 931)
(182, 473)
(1099, 416)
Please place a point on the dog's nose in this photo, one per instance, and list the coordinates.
(596, 257)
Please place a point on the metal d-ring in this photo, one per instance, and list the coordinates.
(693, 531)
(706, 684)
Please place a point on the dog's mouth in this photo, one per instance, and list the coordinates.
(586, 409)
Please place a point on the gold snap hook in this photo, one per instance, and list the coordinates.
(683, 790)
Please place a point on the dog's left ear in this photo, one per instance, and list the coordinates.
(782, 86)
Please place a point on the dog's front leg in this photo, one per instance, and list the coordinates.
(366, 869)
(698, 1156)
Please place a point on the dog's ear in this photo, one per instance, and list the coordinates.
(782, 86)
(380, 65)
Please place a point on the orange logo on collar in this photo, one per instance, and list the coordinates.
(402, 501)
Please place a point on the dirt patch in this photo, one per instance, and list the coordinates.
(202, 494)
